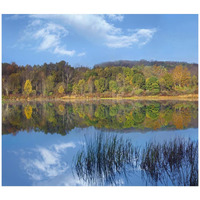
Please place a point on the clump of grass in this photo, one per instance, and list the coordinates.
(174, 162)
(104, 157)
(170, 163)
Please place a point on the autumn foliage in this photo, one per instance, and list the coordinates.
(60, 79)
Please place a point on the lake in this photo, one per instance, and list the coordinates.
(102, 142)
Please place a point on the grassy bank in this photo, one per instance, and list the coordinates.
(188, 97)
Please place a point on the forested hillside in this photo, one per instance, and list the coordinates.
(121, 78)
(170, 65)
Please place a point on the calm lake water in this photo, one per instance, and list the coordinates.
(125, 143)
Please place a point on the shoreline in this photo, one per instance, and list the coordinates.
(162, 98)
(190, 97)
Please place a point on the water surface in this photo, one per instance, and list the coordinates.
(41, 143)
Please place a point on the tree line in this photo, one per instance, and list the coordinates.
(59, 79)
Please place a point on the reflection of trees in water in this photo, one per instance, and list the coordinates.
(44, 117)
(153, 111)
(181, 118)
(28, 111)
(59, 117)
(139, 115)
(103, 158)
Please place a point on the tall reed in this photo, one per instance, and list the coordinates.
(104, 157)
(171, 163)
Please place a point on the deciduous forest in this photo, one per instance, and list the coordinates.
(113, 79)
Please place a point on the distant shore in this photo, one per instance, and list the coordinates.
(189, 97)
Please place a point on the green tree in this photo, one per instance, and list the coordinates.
(113, 86)
(81, 86)
(120, 80)
(167, 81)
(50, 84)
(27, 87)
(75, 89)
(14, 83)
(152, 84)
(69, 88)
(194, 81)
(100, 85)
(138, 80)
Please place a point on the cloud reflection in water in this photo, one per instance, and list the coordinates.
(46, 162)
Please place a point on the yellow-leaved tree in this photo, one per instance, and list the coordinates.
(27, 87)
(181, 76)
(61, 89)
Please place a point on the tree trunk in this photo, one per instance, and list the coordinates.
(7, 93)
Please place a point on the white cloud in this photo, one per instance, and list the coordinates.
(88, 25)
(98, 28)
(81, 54)
(62, 51)
(140, 37)
(116, 17)
(48, 42)
(47, 36)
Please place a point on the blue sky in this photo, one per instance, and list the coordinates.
(91, 39)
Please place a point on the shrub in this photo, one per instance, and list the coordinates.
(50, 93)
(138, 91)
